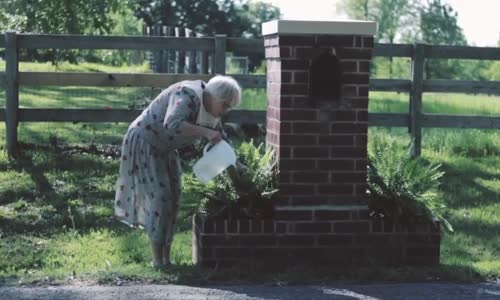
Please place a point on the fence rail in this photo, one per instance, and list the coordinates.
(247, 81)
(415, 119)
(114, 42)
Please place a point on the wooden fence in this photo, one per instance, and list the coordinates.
(415, 119)
(180, 61)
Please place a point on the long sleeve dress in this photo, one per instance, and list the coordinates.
(149, 183)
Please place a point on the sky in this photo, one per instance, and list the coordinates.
(479, 19)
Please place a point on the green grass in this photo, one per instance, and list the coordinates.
(81, 67)
(437, 103)
(56, 221)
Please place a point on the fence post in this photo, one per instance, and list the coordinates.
(220, 54)
(181, 63)
(203, 58)
(159, 53)
(191, 54)
(12, 92)
(171, 54)
(164, 53)
(204, 62)
(417, 78)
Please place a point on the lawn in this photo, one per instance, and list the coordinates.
(56, 222)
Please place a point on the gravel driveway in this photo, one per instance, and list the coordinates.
(452, 291)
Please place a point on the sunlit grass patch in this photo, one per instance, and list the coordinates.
(98, 254)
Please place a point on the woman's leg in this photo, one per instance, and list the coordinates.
(166, 254)
(170, 233)
(175, 181)
(157, 253)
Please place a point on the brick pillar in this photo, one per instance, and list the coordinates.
(322, 148)
(321, 215)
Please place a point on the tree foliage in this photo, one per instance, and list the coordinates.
(493, 72)
(58, 17)
(358, 9)
(439, 26)
(236, 18)
(432, 22)
(9, 21)
(61, 16)
(391, 15)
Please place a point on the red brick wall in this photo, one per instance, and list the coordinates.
(345, 237)
(322, 151)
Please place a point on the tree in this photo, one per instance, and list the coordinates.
(124, 24)
(236, 18)
(439, 26)
(431, 22)
(392, 16)
(358, 9)
(11, 22)
(60, 17)
(493, 73)
(257, 13)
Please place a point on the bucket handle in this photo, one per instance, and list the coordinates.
(205, 149)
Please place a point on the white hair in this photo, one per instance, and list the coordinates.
(223, 88)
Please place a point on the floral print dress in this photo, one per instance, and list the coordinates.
(149, 183)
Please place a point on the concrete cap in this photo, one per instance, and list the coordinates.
(337, 27)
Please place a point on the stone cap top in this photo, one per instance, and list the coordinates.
(337, 27)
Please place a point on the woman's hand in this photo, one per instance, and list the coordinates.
(189, 129)
(213, 136)
(242, 169)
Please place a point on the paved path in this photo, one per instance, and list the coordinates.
(451, 291)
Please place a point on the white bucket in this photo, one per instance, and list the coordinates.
(214, 161)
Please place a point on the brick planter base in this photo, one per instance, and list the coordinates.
(351, 238)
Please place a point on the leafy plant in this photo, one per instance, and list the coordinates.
(235, 194)
(402, 188)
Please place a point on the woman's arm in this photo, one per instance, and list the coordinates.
(189, 129)
(183, 106)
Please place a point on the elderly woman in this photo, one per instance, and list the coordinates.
(149, 183)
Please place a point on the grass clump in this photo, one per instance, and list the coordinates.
(248, 194)
(403, 189)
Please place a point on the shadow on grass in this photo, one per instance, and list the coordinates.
(40, 136)
(73, 196)
(80, 97)
(476, 228)
(66, 133)
(25, 163)
(473, 242)
(36, 172)
(460, 182)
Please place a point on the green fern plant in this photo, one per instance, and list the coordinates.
(402, 188)
(235, 195)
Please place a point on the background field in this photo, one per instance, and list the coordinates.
(56, 219)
